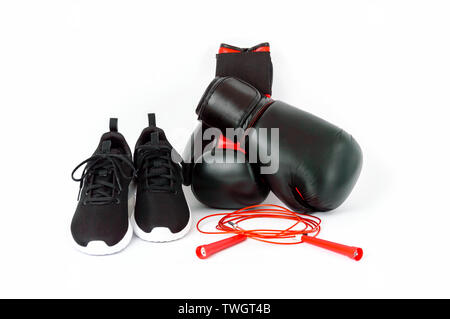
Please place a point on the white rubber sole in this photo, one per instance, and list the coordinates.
(99, 247)
(160, 234)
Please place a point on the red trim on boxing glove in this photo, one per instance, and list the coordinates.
(225, 143)
(262, 49)
(299, 193)
(226, 48)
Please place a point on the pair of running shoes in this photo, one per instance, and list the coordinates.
(121, 194)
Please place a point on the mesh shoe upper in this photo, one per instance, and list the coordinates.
(160, 201)
(102, 210)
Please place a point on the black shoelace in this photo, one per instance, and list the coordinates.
(101, 174)
(156, 167)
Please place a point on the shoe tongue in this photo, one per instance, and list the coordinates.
(105, 147)
(154, 138)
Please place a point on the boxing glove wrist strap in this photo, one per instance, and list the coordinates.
(253, 65)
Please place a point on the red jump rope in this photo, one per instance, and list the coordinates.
(304, 229)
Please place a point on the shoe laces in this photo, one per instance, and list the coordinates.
(156, 167)
(101, 175)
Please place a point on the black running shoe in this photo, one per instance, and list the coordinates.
(161, 213)
(101, 224)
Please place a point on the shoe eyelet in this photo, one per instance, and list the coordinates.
(117, 201)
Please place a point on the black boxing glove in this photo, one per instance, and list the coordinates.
(223, 178)
(216, 168)
(318, 163)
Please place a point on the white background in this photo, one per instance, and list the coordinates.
(378, 69)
